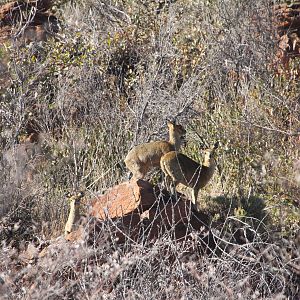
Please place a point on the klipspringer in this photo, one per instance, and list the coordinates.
(142, 158)
(74, 214)
(182, 169)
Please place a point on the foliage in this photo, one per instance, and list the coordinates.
(108, 81)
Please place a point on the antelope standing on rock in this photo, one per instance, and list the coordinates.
(144, 157)
(182, 169)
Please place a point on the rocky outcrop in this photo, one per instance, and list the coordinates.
(287, 17)
(23, 22)
(27, 21)
(138, 211)
(287, 22)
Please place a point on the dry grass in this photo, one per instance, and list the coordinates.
(109, 82)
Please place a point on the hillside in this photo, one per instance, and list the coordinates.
(83, 82)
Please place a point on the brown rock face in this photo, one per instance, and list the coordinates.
(123, 199)
(137, 210)
(287, 17)
(22, 22)
(31, 17)
(287, 22)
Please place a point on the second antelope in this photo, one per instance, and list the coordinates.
(146, 156)
(182, 169)
(74, 214)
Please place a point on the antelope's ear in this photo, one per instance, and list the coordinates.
(170, 124)
(80, 194)
(68, 195)
(183, 140)
(202, 147)
(216, 145)
(171, 121)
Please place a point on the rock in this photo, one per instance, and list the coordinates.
(123, 199)
(136, 210)
(22, 22)
(286, 19)
(168, 215)
(29, 255)
(38, 26)
(76, 235)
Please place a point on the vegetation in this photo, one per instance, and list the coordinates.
(108, 81)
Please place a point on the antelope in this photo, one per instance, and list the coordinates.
(74, 214)
(182, 169)
(144, 157)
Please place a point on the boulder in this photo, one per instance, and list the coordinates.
(137, 210)
(23, 22)
(17, 14)
(123, 199)
(286, 19)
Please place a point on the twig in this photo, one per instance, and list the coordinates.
(295, 133)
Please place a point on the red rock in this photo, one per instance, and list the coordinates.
(76, 235)
(136, 210)
(40, 26)
(29, 255)
(11, 12)
(286, 19)
(168, 215)
(123, 199)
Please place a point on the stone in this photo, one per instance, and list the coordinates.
(29, 255)
(41, 25)
(137, 210)
(123, 199)
(286, 19)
